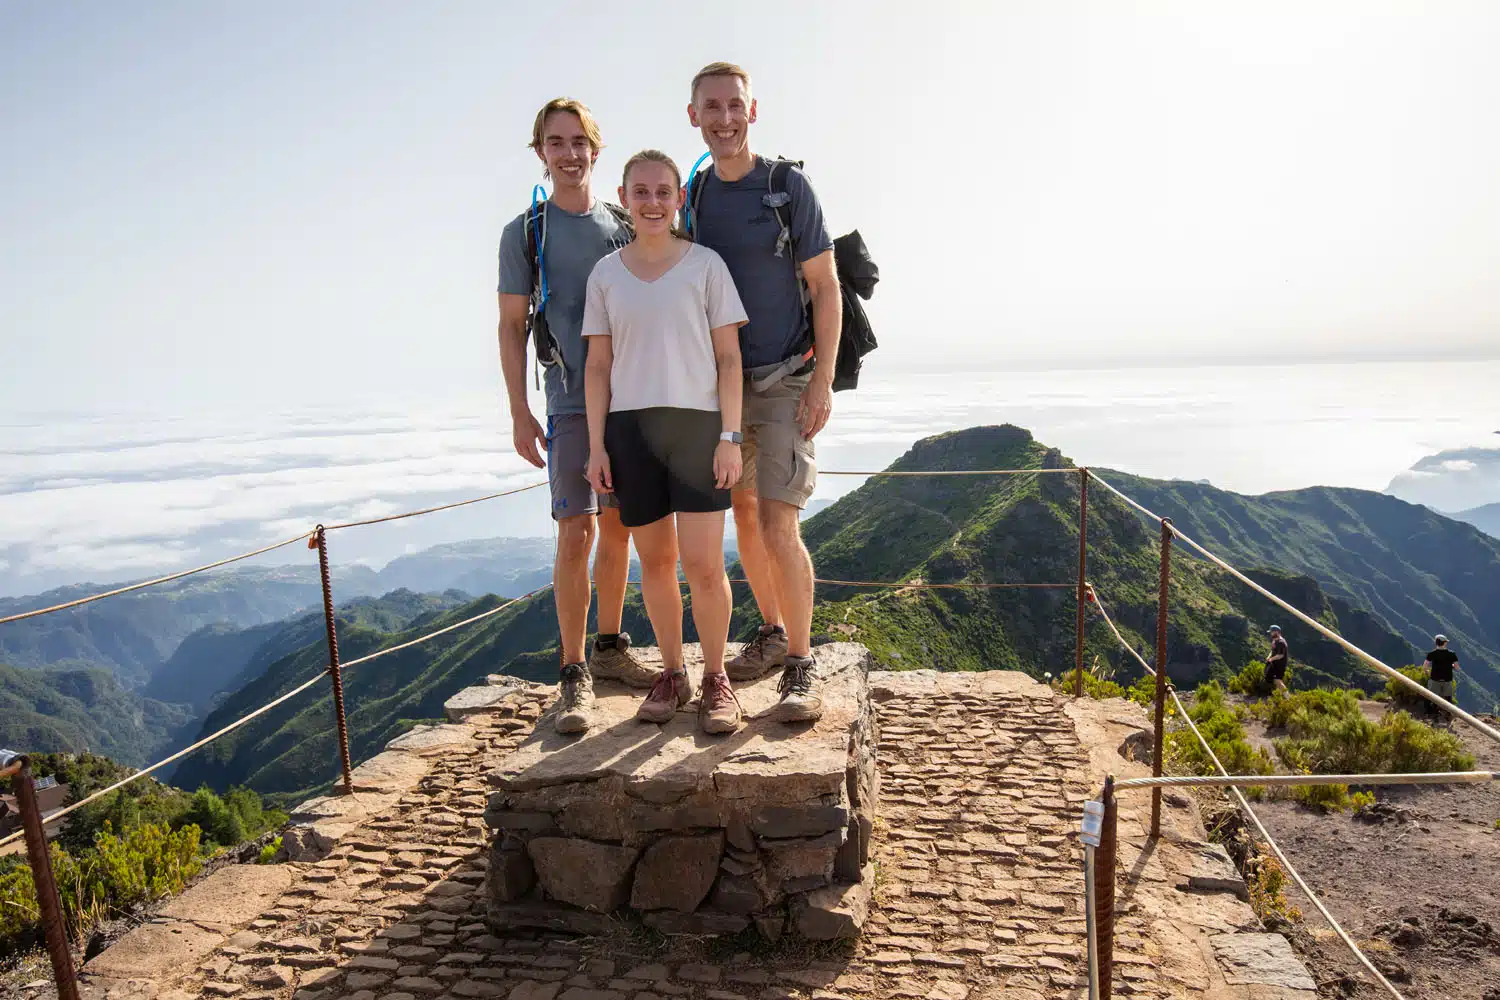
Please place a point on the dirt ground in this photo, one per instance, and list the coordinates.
(1415, 880)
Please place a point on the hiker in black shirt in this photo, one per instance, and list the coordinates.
(1440, 664)
(1277, 660)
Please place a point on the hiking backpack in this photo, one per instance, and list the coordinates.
(534, 232)
(857, 272)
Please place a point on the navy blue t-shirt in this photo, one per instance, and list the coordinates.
(733, 221)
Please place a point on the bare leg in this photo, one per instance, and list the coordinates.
(570, 583)
(611, 568)
(792, 571)
(656, 544)
(754, 558)
(702, 544)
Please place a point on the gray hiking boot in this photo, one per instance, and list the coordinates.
(801, 691)
(718, 708)
(575, 699)
(764, 651)
(615, 662)
(671, 691)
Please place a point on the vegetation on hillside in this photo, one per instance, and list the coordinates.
(83, 709)
(135, 845)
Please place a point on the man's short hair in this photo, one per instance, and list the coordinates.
(719, 69)
(573, 107)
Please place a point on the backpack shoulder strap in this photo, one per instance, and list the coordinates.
(697, 183)
(780, 197)
(535, 234)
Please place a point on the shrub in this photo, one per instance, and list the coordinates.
(1328, 733)
(1251, 680)
(1143, 691)
(1400, 695)
(1360, 800)
(1324, 798)
(1098, 682)
(1267, 885)
(1221, 727)
(269, 852)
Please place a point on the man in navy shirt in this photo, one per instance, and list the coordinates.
(788, 385)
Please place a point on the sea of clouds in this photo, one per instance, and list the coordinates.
(106, 497)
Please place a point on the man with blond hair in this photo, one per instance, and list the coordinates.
(764, 219)
(546, 255)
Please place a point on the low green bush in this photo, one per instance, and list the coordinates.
(1222, 726)
(269, 852)
(1328, 733)
(1324, 798)
(1400, 695)
(1251, 680)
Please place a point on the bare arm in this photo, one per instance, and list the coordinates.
(596, 372)
(525, 430)
(828, 319)
(728, 460)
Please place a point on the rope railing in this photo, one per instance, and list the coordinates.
(152, 583)
(1308, 620)
(434, 510)
(1099, 603)
(1272, 780)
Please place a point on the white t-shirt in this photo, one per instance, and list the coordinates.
(663, 351)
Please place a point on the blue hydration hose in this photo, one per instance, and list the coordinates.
(687, 209)
(536, 234)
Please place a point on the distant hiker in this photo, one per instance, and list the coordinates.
(663, 383)
(1440, 664)
(789, 371)
(1277, 659)
(546, 254)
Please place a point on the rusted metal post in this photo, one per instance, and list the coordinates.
(1104, 889)
(1083, 567)
(320, 539)
(1164, 584)
(47, 902)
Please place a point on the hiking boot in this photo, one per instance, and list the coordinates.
(614, 662)
(801, 695)
(671, 691)
(764, 651)
(575, 699)
(718, 708)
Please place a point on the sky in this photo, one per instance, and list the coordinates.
(211, 207)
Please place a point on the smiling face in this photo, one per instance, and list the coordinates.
(723, 111)
(653, 195)
(567, 150)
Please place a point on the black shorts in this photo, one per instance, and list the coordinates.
(1276, 671)
(661, 461)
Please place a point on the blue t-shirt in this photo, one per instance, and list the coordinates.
(733, 220)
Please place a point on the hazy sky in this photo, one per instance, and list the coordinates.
(201, 202)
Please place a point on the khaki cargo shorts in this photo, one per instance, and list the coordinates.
(779, 463)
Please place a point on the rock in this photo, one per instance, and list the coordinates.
(1139, 746)
(367, 980)
(1260, 959)
(1212, 871)
(771, 925)
(737, 894)
(777, 822)
(389, 771)
(155, 951)
(802, 858)
(510, 874)
(476, 701)
(584, 873)
(505, 917)
(432, 740)
(677, 872)
(838, 911)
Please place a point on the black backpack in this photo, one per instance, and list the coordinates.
(857, 274)
(534, 231)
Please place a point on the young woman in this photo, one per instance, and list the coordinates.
(663, 384)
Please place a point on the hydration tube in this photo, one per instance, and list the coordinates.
(687, 208)
(536, 234)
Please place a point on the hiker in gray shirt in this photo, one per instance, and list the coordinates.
(551, 249)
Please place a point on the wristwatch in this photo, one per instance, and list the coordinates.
(733, 437)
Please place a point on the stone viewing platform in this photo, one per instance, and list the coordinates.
(978, 889)
(769, 826)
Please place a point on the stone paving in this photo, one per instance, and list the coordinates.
(978, 893)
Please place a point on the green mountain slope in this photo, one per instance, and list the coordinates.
(73, 710)
(1416, 571)
(1486, 518)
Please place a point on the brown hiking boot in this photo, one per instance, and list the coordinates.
(718, 708)
(801, 695)
(575, 699)
(764, 651)
(671, 691)
(615, 662)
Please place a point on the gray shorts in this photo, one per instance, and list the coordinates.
(779, 463)
(567, 467)
(1443, 689)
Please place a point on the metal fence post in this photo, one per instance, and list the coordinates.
(1161, 670)
(1083, 566)
(48, 905)
(1104, 890)
(320, 541)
